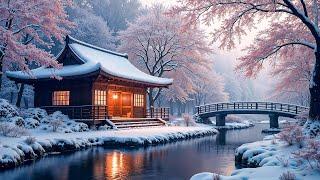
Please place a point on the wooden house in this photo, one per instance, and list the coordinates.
(93, 84)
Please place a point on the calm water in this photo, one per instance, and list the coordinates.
(178, 160)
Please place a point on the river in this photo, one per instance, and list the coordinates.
(179, 160)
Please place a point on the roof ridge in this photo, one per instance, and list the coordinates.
(70, 39)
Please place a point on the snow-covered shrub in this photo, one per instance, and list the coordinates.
(79, 127)
(310, 153)
(188, 120)
(30, 140)
(302, 117)
(292, 134)
(34, 113)
(7, 110)
(287, 176)
(55, 124)
(59, 115)
(312, 128)
(284, 162)
(19, 121)
(31, 123)
(11, 130)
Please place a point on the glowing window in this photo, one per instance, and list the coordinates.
(61, 98)
(138, 100)
(100, 97)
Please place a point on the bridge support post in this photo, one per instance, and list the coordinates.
(221, 119)
(274, 120)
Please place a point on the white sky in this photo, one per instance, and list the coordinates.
(228, 59)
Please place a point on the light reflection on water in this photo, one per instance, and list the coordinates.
(178, 160)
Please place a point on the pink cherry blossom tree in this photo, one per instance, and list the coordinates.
(294, 76)
(160, 46)
(290, 24)
(26, 25)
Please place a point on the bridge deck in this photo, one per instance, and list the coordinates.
(282, 109)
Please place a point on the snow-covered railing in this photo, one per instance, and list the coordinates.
(159, 112)
(251, 106)
(89, 112)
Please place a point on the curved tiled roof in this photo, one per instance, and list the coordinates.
(93, 58)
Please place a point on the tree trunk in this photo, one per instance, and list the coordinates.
(1, 69)
(150, 98)
(20, 93)
(314, 113)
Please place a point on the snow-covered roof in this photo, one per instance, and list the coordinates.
(93, 59)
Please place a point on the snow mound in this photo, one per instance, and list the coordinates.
(37, 119)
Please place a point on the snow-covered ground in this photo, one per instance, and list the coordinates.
(13, 151)
(273, 159)
(235, 125)
(26, 134)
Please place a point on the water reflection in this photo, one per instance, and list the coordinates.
(178, 160)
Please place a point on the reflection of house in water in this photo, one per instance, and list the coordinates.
(120, 165)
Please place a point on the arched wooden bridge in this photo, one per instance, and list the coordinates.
(274, 110)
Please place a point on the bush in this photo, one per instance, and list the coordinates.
(311, 153)
(56, 123)
(31, 123)
(7, 110)
(284, 162)
(312, 128)
(11, 130)
(188, 120)
(287, 176)
(34, 113)
(18, 121)
(30, 140)
(292, 134)
(302, 117)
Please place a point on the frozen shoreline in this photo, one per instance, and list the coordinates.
(267, 159)
(15, 151)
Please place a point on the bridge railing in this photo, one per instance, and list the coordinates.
(262, 106)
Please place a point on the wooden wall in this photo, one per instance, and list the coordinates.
(80, 91)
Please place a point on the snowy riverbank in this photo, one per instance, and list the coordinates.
(273, 159)
(14, 151)
(235, 125)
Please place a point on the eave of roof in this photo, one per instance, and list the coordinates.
(108, 64)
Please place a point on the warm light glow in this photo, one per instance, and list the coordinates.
(61, 98)
(115, 96)
(100, 97)
(138, 100)
(119, 165)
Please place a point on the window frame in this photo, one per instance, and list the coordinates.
(100, 97)
(138, 100)
(61, 98)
